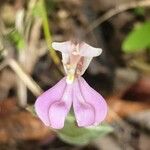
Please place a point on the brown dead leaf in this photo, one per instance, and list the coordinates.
(123, 108)
(17, 124)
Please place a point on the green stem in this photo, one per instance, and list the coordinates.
(47, 34)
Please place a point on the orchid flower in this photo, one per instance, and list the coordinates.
(89, 106)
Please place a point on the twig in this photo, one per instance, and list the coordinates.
(32, 51)
(21, 87)
(27, 80)
(3, 65)
(29, 18)
(118, 9)
(21, 93)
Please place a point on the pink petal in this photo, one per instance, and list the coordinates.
(59, 110)
(84, 112)
(93, 109)
(95, 99)
(57, 114)
(54, 104)
(63, 47)
(89, 51)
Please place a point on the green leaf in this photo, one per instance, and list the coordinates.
(17, 39)
(138, 39)
(73, 134)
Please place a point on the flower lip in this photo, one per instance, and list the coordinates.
(53, 105)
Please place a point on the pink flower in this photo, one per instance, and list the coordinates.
(89, 106)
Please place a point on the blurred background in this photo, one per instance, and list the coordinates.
(29, 66)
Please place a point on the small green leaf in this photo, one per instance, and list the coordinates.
(16, 38)
(73, 134)
(138, 39)
(139, 11)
